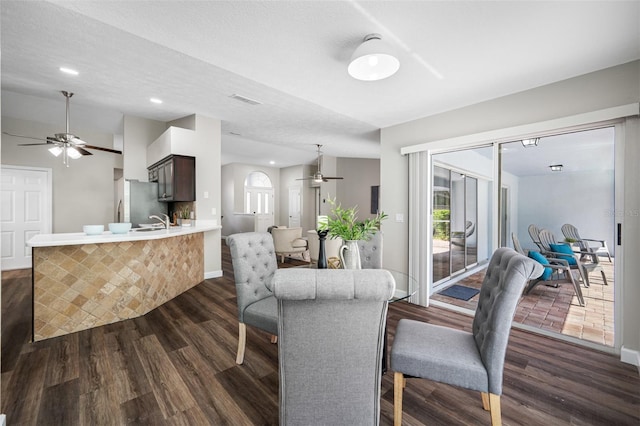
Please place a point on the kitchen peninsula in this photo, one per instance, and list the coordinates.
(83, 281)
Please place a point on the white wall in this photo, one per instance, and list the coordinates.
(206, 147)
(584, 200)
(611, 87)
(83, 192)
(138, 133)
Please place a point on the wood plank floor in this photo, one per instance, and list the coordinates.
(176, 366)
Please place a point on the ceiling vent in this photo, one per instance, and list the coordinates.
(245, 99)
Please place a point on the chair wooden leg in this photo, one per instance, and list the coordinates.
(274, 339)
(485, 401)
(604, 277)
(242, 341)
(399, 382)
(494, 403)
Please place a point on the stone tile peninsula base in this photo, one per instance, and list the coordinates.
(76, 287)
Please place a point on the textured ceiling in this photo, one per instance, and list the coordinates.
(292, 57)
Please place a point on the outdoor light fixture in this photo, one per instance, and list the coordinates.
(373, 60)
(556, 167)
(528, 143)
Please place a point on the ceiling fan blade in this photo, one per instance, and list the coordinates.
(34, 144)
(82, 150)
(331, 177)
(77, 141)
(51, 139)
(99, 148)
(22, 136)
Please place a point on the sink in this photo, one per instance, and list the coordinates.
(145, 229)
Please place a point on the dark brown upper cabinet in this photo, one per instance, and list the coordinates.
(176, 177)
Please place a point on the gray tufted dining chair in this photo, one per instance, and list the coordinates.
(470, 360)
(254, 263)
(371, 251)
(331, 328)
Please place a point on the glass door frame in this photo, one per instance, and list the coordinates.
(466, 176)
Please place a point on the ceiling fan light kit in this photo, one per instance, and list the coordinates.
(373, 60)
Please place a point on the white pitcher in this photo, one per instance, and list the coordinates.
(350, 255)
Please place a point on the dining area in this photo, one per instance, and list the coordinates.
(330, 329)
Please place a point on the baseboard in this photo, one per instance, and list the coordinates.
(630, 356)
(212, 274)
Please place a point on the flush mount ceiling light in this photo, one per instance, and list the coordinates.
(373, 60)
(528, 143)
(556, 167)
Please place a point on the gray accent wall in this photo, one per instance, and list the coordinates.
(359, 174)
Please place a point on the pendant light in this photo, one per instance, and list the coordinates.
(373, 60)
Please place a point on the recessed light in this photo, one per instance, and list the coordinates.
(556, 167)
(155, 100)
(69, 71)
(272, 162)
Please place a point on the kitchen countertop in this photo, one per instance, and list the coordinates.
(76, 238)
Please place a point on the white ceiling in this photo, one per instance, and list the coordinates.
(292, 56)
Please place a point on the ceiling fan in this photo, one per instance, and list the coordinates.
(318, 177)
(67, 144)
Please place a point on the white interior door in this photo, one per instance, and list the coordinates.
(295, 207)
(25, 200)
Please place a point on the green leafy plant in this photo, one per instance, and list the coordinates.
(343, 223)
(185, 213)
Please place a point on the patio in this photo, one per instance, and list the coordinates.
(557, 309)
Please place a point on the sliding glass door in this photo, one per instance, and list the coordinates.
(460, 217)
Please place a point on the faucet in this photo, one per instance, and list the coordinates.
(166, 222)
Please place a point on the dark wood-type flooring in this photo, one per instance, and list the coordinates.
(176, 366)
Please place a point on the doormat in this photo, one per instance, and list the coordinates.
(459, 292)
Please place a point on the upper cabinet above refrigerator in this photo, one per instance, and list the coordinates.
(176, 177)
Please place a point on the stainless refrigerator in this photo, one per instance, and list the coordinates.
(136, 201)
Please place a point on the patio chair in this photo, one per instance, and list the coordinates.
(555, 271)
(458, 238)
(571, 232)
(551, 248)
(534, 233)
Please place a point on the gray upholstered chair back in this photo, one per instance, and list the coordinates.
(331, 326)
(371, 252)
(254, 263)
(506, 276)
